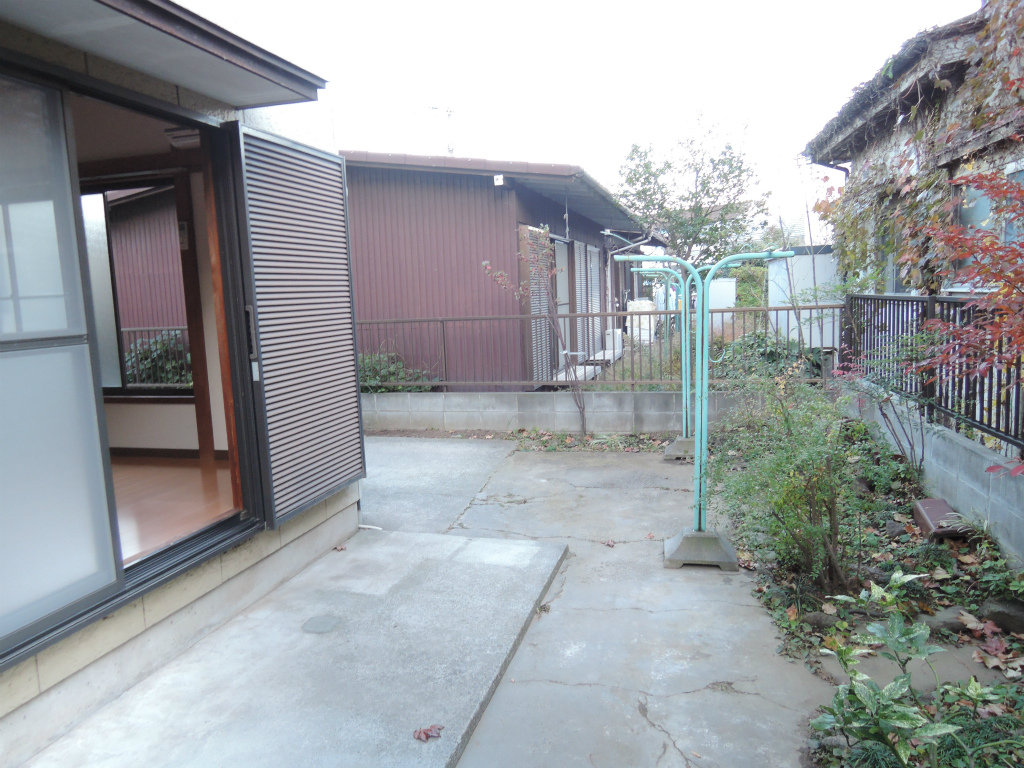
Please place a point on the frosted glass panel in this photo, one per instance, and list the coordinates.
(95, 218)
(40, 288)
(55, 536)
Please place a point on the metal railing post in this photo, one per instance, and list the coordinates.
(444, 355)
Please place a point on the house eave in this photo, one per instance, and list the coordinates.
(911, 71)
(163, 40)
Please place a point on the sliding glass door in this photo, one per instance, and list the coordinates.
(58, 542)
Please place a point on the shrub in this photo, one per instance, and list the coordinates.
(160, 359)
(796, 492)
(378, 371)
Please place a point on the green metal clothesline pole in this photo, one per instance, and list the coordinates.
(698, 545)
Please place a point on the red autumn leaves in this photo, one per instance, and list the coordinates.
(425, 734)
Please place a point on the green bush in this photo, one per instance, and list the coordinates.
(751, 285)
(160, 359)
(799, 457)
(380, 372)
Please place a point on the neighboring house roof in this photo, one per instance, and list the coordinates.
(935, 51)
(564, 184)
(166, 41)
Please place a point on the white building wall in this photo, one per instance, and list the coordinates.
(805, 280)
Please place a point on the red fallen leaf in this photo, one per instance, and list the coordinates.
(609, 543)
(994, 646)
(340, 548)
(650, 536)
(791, 612)
(433, 732)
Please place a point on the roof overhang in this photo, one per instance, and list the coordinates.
(907, 74)
(163, 40)
(567, 185)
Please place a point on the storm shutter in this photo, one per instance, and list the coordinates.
(302, 321)
(594, 297)
(580, 254)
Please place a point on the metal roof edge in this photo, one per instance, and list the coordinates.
(173, 20)
(481, 166)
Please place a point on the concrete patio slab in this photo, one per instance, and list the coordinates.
(423, 484)
(338, 666)
(628, 663)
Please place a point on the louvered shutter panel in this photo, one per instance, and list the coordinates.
(594, 296)
(580, 253)
(302, 292)
(542, 335)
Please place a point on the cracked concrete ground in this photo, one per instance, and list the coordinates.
(627, 663)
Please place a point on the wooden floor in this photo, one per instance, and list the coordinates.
(161, 501)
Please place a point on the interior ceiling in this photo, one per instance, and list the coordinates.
(104, 132)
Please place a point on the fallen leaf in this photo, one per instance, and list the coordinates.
(609, 543)
(900, 518)
(433, 732)
(967, 559)
(991, 710)
(488, 437)
(988, 660)
(968, 620)
(994, 646)
(792, 612)
(695, 754)
(340, 548)
(979, 628)
(939, 574)
(650, 535)
(828, 608)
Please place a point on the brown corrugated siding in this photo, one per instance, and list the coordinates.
(147, 262)
(418, 243)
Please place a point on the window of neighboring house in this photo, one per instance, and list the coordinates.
(889, 246)
(975, 212)
(138, 291)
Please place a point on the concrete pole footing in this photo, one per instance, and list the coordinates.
(689, 547)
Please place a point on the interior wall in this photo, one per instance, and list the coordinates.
(220, 431)
(152, 425)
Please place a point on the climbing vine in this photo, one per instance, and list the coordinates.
(895, 201)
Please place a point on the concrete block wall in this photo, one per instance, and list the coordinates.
(956, 469)
(607, 412)
(44, 696)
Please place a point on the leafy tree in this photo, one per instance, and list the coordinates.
(992, 261)
(700, 198)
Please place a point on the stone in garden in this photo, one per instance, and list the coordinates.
(947, 619)
(819, 620)
(894, 529)
(1007, 614)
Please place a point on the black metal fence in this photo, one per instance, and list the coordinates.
(882, 335)
(607, 350)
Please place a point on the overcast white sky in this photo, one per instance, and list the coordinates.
(579, 82)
